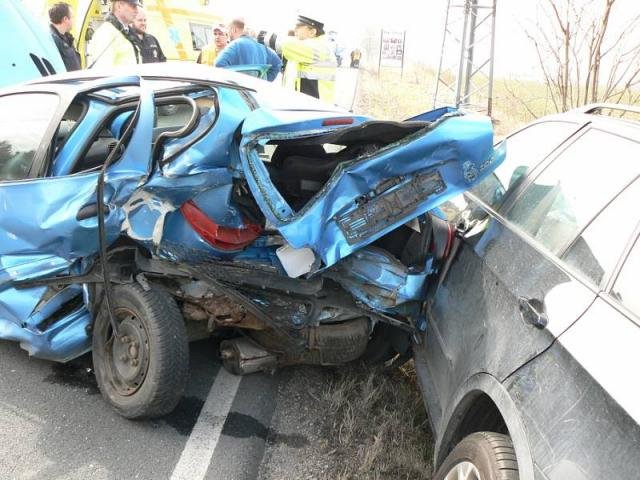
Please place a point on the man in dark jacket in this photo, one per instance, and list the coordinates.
(147, 43)
(61, 24)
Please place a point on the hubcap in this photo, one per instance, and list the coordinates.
(463, 471)
(128, 355)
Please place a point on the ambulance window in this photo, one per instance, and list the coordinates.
(201, 35)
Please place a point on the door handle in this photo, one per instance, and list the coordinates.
(532, 312)
(90, 210)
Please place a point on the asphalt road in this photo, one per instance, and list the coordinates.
(54, 424)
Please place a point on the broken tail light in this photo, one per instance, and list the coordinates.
(218, 236)
(332, 122)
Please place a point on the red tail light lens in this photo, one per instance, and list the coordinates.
(331, 122)
(222, 238)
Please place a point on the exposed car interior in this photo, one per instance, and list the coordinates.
(175, 117)
(299, 168)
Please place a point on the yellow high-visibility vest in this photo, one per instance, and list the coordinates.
(312, 59)
(208, 55)
(110, 48)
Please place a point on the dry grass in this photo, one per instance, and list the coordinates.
(379, 427)
(388, 95)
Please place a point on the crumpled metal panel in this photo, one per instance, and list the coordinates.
(47, 238)
(378, 279)
(200, 173)
(62, 340)
(459, 148)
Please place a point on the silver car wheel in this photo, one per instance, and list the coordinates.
(463, 471)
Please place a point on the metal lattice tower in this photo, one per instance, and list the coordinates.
(465, 73)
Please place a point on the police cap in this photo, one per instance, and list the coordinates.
(137, 3)
(310, 22)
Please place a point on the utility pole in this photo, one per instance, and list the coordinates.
(465, 72)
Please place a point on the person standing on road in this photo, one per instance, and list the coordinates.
(147, 44)
(112, 43)
(245, 50)
(311, 63)
(61, 24)
(355, 58)
(209, 53)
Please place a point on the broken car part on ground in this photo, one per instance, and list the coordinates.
(212, 200)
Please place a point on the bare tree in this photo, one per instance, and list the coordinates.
(582, 59)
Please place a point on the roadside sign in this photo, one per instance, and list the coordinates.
(392, 48)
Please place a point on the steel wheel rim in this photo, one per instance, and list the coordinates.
(463, 471)
(127, 357)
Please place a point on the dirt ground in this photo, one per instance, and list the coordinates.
(349, 423)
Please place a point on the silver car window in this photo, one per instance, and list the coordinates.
(599, 247)
(574, 188)
(625, 289)
(525, 150)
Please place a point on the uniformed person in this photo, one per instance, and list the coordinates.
(61, 24)
(112, 43)
(311, 62)
(209, 52)
(147, 44)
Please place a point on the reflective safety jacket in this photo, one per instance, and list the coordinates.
(311, 66)
(208, 55)
(110, 46)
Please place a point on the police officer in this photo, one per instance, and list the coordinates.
(147, 44)
(311, 63)
(61, 24)
(112, 43)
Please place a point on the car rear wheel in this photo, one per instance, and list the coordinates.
(481, 456)
(143, 372)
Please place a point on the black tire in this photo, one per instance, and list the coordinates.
(143, 374)
(388, 346)
(379, 349)
(491, 454)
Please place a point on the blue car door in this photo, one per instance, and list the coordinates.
(399, 171)
(49, 224)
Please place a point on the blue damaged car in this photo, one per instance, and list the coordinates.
(155, 206)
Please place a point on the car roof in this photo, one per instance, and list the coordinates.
(178, 70)
(267, 94)
(625, 119)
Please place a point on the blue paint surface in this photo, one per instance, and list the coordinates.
(144, 196)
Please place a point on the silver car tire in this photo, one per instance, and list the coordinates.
(481, 456)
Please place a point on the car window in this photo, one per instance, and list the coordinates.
(625, 289)
(525, 150)
(597, 250)
(23, 122)
(68, 122)
(565, 197)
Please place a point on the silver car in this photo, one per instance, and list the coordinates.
(529, 361)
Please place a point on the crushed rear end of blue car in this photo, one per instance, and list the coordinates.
(310, 231)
